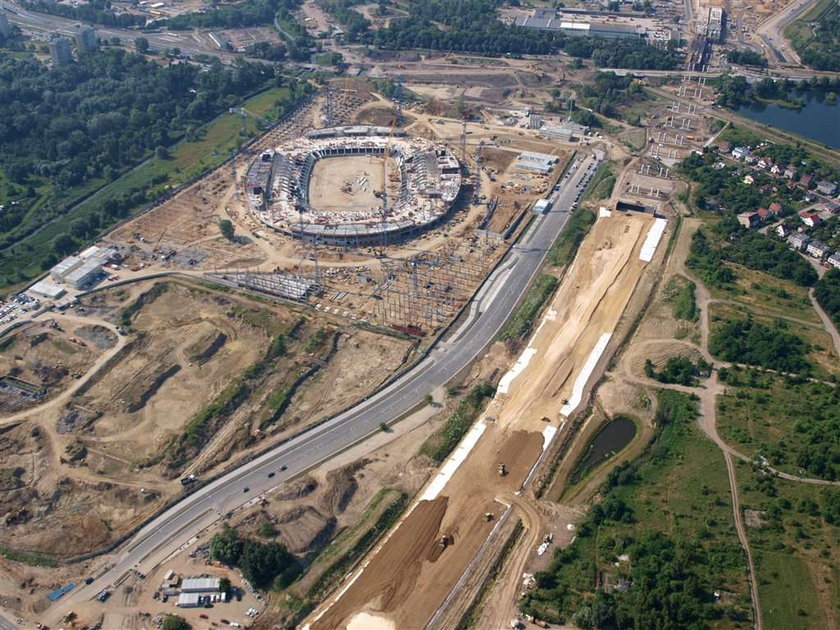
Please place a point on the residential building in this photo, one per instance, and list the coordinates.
(811, 219)
(749, 179)
(783, 230)
(741, 153)
(799, 241)
(60, 51)
(724, 146)
(827, 188)
(791, 172)
(749, 219)
(763, 163)
(806, 180)
(834, 260)
(776, 169)
(86, 41)
(833, 208)
(775, 208)
(817, 249)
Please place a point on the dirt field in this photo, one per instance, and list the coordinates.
(40, 360)
(348, 183)
(411, 574)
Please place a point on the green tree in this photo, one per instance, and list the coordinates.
(226, 228)
(141, 44)
(174, 622)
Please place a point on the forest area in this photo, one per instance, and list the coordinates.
(67, 131)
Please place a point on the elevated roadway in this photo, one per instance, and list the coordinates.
(489, 310)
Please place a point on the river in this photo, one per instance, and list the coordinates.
(816, 120)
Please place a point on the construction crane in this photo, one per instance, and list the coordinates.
(384, 194)
(262, 123)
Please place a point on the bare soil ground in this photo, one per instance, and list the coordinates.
(348, 183)
(84, 468)
(410, 575)
(47, 358)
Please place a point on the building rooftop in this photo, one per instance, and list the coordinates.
(200, 585)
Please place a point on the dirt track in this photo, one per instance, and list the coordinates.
(410, 575)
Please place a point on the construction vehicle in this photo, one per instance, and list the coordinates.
(502, 469)
(444, 541)
(488, 516)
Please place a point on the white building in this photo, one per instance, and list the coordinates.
(205, 585)
(84, 274)
(47, 289)
(541, 162)
(60, 271)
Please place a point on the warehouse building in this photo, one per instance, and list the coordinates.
(541, 162)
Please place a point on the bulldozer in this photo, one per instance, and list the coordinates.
(502, 469)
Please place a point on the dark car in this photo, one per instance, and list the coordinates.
(282, 468)
(245, 489)
(270, 475)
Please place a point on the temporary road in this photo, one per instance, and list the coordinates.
(490, 309)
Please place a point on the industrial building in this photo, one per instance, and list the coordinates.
(201, 585)
(565, 131)
(86, 41)
(47, 289)
(540, 162)
(60, 51)
(547, 19)
(80, 271)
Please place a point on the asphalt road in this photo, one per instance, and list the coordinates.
(489, 310)
(5, 624)
(188, 42)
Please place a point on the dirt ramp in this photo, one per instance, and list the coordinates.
(519, 453)
(392, 573)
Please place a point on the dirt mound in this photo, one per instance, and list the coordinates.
(342, 485)
(304, 529)
(101, 337)
(297, 489)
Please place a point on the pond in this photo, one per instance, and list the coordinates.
(613, 437)
(816, 120)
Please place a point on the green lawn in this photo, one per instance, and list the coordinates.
(799, 32)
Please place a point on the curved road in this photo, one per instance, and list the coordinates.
(489, 310)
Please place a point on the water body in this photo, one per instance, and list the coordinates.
(817, 120)
(612, 438)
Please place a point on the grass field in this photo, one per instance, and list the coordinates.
(795, 425)
(771, 295)
(822, 358)
(799, 32)
(188, 158)
(795, 550)
(679, 489)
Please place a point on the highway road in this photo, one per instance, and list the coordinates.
(489, 310)
(187, 41)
